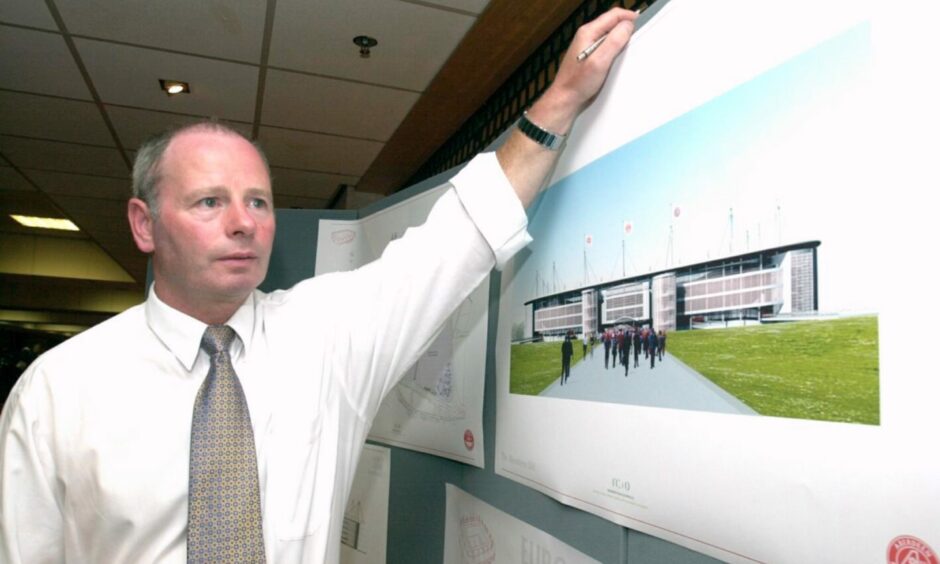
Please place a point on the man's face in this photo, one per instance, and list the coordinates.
(214, 228)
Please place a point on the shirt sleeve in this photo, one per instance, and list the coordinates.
(396, 305)
(31, 524)
(493, 206)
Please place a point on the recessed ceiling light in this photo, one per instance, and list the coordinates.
(365, 44)
(45, 222)
(174, 87)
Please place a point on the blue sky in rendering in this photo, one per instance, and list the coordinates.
(784, 155)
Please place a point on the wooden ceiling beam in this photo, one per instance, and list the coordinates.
(505, 34)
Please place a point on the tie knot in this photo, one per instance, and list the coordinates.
(217, 338)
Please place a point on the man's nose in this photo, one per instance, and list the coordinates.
(239, 220)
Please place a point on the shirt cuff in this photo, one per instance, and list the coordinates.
(493, 206)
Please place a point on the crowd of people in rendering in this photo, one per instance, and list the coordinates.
(619, 342)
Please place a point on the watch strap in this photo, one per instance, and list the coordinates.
(542, 136)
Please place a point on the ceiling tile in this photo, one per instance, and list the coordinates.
(300, 183)
(12, 180)
(82, 207)
(115, 236)
(68, 184)
(473, 6)
(101, 219)
(135, 126)
(107, 231)
(8, 226)
(316, 152)
(339, 106)
(38, 61)
(32, 203)
(130, 76)
(414, 40)
(25, 203)
(63, 157)
(232, 29)
(130, 258)
(58, 119)
(26, 12)
(297, 202)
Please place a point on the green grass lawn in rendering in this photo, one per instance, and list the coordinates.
(536, 365)
(820, 370)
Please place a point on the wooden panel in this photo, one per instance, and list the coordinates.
(506, 33)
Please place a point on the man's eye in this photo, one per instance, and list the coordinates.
(210, 202)
(259, 203)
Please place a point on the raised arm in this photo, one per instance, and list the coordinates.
(527, 163)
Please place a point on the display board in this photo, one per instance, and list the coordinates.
(727, 191)
(437, 407)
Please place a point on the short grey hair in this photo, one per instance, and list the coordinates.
(146, 177)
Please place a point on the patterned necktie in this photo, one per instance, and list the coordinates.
(224, 503)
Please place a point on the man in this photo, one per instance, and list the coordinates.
(614, 342)
(566, 353)
(607, 342)
(103, 445)
(653, 343)
(637, 339)
(625, 358)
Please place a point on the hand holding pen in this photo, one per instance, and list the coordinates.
(529, 154)
(593, 46)
(579, 78)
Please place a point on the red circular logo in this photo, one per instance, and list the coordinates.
(468, 439)
(906, 549)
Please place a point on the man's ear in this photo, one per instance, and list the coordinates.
(141, 222)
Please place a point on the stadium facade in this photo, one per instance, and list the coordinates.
(766, 285)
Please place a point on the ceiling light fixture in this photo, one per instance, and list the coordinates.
(44, 222)
(174, 87)
(365, 44)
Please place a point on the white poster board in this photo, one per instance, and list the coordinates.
(437, 408)
(365, 524)
(739, 183)
(478, 533)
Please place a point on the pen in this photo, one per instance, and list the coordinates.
(593, 46)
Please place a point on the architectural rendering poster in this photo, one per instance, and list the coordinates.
(477, 533)
(365, 525)
(437, 408)
(707, 339)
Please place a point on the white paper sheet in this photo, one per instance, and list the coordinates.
(478, 533)
(365, 525)
(849, 170)
(437, 408)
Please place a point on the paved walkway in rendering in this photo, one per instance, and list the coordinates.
(670, 384)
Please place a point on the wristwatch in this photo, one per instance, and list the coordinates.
(544, 137)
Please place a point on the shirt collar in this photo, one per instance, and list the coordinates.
(181, 334)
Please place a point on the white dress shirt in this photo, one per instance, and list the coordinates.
(94, 439)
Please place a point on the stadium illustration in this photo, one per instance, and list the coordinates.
(762, 286)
